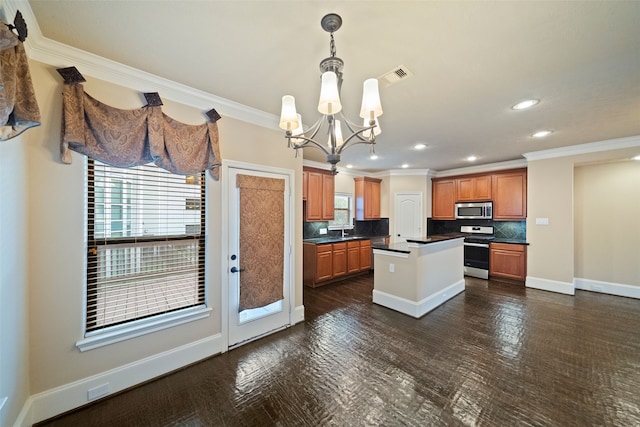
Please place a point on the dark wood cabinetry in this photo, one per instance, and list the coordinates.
(339, 259)
(367, 192)
(443, 199)
(507, 190)
(508, 261)
(318, 191)
(473, 188)
(510, 195)
(329, 262)
(365, 255)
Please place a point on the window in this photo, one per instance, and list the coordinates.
(343, 209)
(146, 244)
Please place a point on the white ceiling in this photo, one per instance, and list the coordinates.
(471, 61)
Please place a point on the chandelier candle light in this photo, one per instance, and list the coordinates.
(331, 108)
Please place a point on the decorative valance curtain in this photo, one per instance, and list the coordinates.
(127, 138)
(261, 240)
(18, 105)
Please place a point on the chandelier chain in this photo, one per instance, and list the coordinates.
(332, 47)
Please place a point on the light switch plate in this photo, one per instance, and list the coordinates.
(392, 268)
(542, 221)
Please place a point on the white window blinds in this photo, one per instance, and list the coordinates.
(146, 243)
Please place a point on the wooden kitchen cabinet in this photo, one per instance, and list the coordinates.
(365, 255)
(319, 194)
(367, 192)
(339, 259)
(330, 262)
(305, 184)
(473, 188)
(353, 257)
(443, 199)
(508, 261)
(509, 192)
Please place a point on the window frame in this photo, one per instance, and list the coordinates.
(94, 338)
(350, 225)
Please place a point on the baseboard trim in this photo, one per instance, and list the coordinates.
(73, 395)
(298, 315)
(550, 285)
(618, 289)
(422, 307)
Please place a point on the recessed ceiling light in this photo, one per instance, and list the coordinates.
(404, 166)
(636, 157)
(525, 104)
(542, 133)
(472, 158)
(374, 157)
(420, 146)
(349, 166)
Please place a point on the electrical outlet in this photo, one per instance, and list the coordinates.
(542, 221)
(323, 231)
(392, 268)
(99, 391)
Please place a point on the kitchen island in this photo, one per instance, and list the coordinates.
(417, 276)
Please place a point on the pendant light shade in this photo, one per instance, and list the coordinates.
(329, 103)
(371, 106)
(288, 115)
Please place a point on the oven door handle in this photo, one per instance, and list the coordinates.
(478, 245)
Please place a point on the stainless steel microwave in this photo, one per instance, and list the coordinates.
(474, 210)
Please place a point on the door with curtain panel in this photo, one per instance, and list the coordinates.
(259, 254)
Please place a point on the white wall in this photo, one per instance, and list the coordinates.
(14, 293)
(607, 207)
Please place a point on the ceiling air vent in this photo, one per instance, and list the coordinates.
(394, 76)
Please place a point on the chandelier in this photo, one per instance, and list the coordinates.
(331, 109)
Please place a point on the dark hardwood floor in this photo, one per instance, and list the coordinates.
(495, 355)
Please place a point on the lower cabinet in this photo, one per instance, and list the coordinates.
(508, 261)
(329, 262)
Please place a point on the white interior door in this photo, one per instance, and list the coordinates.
(408, 216)
(248, 324)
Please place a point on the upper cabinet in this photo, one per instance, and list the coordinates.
(507, 190)
(367, 198)
(443, 198)
(510, 195)
(473, 188)
(318, 185)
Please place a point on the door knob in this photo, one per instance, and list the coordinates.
(236, 270)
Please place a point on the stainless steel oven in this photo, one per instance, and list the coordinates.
(476, 250)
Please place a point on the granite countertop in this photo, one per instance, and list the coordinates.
(404, 247)
(435, 238)
(337, 239)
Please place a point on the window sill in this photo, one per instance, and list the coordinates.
(141, 327)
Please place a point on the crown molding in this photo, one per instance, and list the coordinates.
(409, 172)
(491, 167)
(590, 147)
(51, 52)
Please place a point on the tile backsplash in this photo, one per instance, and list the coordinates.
(378, 227)
(502, 229)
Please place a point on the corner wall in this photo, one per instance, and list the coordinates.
(551, 260)
(59, 373)
(14, 294)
